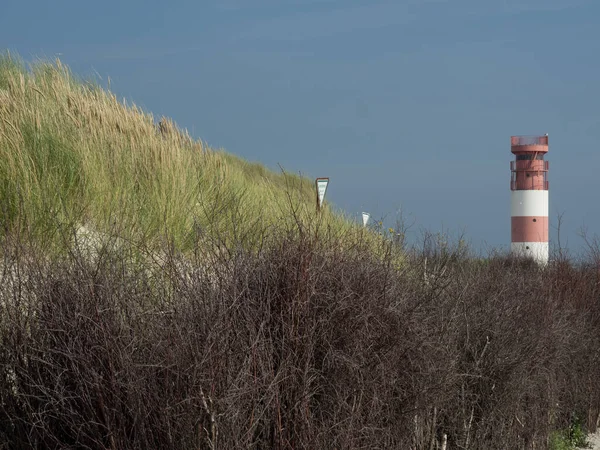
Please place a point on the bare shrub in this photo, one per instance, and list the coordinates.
(300, 342)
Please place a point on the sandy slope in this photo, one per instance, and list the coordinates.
(594, 440)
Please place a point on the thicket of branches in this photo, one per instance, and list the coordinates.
(298, 343)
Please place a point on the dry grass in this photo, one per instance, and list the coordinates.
(72, 154)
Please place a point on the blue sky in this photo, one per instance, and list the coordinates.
(403, 104)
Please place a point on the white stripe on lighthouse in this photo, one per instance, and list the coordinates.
(539, 251)
(529, 203)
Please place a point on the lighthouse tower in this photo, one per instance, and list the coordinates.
(529, 197)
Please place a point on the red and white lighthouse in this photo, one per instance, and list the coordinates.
(529, 197)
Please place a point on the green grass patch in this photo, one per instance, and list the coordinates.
(574, 437)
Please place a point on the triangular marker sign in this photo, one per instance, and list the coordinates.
(321, 188)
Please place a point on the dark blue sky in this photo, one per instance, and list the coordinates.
(403, 104)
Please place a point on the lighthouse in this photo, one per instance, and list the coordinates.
(529, 197)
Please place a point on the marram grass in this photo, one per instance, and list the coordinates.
(73, 155)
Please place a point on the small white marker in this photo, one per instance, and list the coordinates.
(366, 216)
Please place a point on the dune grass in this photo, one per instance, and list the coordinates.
(73, 155)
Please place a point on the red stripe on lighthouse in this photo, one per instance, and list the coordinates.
(529, 229)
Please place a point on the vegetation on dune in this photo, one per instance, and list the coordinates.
(299, 344)
(72, 154)
(253, 322)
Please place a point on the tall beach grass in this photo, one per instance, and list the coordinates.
(73, 155)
